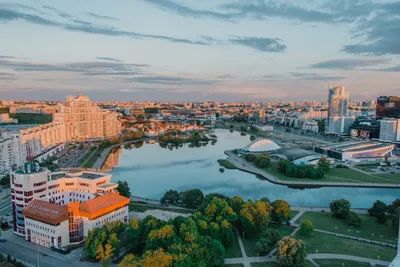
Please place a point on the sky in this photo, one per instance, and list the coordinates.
(181, 50)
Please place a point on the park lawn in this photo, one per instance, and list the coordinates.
(142, 208)
(234, 265)
(293, 214)
(367, 167)
(328, 222)
(233, 251)
(225, 163)
(341, 263)
(338, 175)
(326, 243)
(251, 241)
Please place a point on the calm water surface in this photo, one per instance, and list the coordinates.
(151, 170)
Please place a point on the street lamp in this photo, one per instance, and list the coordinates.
(243, 235)
(257, 257)
(316, 252)
(378, 257)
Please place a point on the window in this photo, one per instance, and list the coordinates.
(39, 184)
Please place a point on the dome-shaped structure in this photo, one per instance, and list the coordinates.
(261, 146)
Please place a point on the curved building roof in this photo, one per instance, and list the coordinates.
(261, 145)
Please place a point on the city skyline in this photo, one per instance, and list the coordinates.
(182, 51)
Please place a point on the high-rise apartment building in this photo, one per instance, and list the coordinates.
(388, 107)
(338, 103)
(259, 115)
(85, 120)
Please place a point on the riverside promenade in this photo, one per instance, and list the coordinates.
(245, 166)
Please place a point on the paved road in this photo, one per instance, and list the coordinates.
(243, 165)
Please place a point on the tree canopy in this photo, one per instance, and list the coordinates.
(123, 189)
(340, 208)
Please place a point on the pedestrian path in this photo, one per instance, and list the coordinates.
(298, 215)
(331, 256)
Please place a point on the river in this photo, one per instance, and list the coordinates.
(151, 170)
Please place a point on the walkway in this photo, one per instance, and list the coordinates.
(372, 262)
(245, 166)
(246, 261)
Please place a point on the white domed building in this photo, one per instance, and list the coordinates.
(260, 146)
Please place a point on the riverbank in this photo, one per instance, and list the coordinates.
(104, 154)
(245, 166)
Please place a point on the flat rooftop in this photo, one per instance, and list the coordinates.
(83, 174)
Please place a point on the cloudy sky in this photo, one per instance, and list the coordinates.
(182, 50)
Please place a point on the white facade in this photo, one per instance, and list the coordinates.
(390, 130)
(117, 215)
(57, 187)
(48, 235)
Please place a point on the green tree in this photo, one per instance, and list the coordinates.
(306, 227)
(280, 211)
(340, 208)
(381, 218)
(236, 204)
(291, 252)
(123, 189)
(161, 238)
(262, 246)
(192, 198)
(171, 197)
(324, 164)
(104, 254)
(321, 125)
(5, 181)
(378, 208)
(115, 243)
(263, 161)
(272, 236)
(354, 219)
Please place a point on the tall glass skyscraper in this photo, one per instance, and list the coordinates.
(338, 100)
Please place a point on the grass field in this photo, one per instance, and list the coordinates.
(327, 222)
(233, 251)
(341, 263)
(293, 214)
(142, 208)
(367, 167)
(326, 243)
(339, 175)
(226, 164)
(251, 241)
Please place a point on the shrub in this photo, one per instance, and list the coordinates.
(306, 227)
(353, 219)
(340, 208)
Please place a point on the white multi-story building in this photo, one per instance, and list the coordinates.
(85, 120)
(340, 124)
(58, 188)
(390, 130)
(12, 152)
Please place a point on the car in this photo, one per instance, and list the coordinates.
(2, 239)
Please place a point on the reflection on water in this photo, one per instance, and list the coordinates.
(152, 169)
(112, 159)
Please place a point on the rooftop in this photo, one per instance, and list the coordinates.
(102, 205)
(78, 174)
(46, 212)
